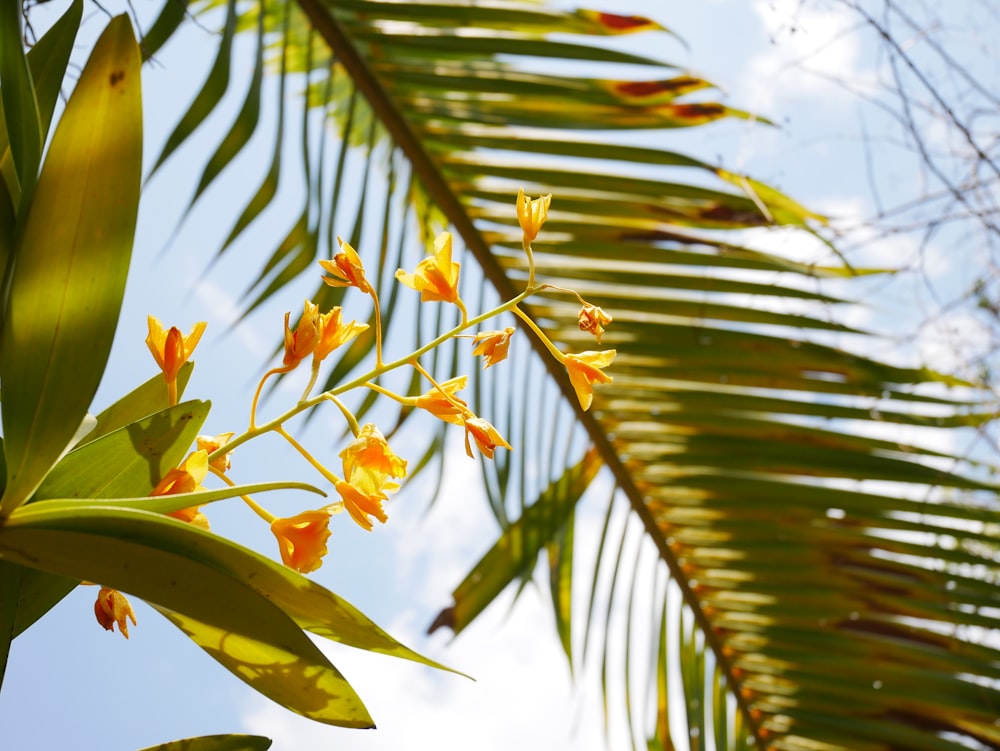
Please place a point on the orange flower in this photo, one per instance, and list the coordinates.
(593, 319)
(486, 436)
(585, 370)
(440, 406)
(436, 278)
(112, 607)
(346, 269)
(171, 350)
(370, 452)
(362, 498)
(300, 343)
(210, 444)
(531, 214)
(186, 478)
(333, 332)
(492, 345)
(302, 539)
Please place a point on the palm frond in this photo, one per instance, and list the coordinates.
(832, 579)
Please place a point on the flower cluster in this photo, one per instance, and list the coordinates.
(369, 469)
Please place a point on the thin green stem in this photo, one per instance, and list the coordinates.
(457, 403)
(363, 380)
(539, 333)
(526, 245)
(312, 379)
(378, 329)
(260, 387)
(307, 456)
(352, 421)
(262, 512)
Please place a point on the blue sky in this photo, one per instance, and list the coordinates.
(70, 684)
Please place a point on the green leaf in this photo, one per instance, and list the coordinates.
(243, 126)
(144, 400)
(170, 564)
(518, 546)
(71, 264)
(298, 678)
(232, 742)
(313, 607)
(130, 460)
(211, 92)
(23, 122)
(48, 59)
(10, 593)
(163, 27)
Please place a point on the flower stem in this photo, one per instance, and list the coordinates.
(306, 455)
(526, 244)
(541, 335)
(262, 512)
(260, 387)
(378, 329)
(352, 421)
(364, 380)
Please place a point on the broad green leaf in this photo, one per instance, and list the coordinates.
(39, 592)
(20, 105)
(7, 218)
(170, 564)
(305, 683)
(144, 400)
(311, 606)
(72, 262)
(232, 742)
(128, 461)
(518, 546)
(10, 594)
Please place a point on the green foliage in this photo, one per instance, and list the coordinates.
(803, 610)
(78, 501)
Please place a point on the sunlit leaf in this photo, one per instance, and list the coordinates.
(232, 742)
(72, 261)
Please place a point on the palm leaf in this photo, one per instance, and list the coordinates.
(832, 579)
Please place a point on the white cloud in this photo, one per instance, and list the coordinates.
(522, 695)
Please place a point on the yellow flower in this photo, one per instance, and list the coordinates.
(370, 452)
(210, 444)
(363, 497)
(346, 269)
(302, 539)
(593, 319)
(186, 478)
(492, 345)
(300, 343)
(440, 406)
(531, 214)
(486, 436)
(585, 370)
(112, 607)
(436, 278)
(333, 332)
(171, 350)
